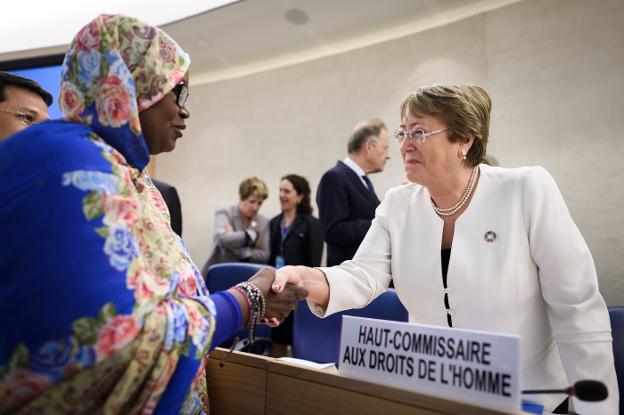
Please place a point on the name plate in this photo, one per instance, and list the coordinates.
(462, 365)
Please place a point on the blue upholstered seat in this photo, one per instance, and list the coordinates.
(223, 276)
(318, 339)
(617, 329)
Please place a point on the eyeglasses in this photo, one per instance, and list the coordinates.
(181, 93)
(418, 136)
(23, 117)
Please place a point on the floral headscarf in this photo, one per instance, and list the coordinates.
(113, 317)
(115, 68)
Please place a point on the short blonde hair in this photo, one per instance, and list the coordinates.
(253, 186)
(465, 109)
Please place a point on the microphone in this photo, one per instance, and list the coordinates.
(585, 390)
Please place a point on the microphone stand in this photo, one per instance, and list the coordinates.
(584, 390)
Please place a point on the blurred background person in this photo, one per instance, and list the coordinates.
(295, 240)
(345, 196)
(241, 234)
(519, 264)
(23, 102)
(113, 315)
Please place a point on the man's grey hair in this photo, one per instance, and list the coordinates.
(363, 131)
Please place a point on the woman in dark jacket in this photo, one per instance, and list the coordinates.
(296, 239)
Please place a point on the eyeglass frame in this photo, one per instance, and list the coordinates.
(422, 135)
(21, 115)
(181, 92)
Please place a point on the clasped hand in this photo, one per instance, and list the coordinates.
(278, 304)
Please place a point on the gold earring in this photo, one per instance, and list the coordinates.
(461, 155)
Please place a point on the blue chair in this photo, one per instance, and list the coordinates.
(616, 314)
(220, 277)
(318, 339)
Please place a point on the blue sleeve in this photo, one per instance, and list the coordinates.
(229, 317)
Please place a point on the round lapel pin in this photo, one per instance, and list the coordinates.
(490, 236)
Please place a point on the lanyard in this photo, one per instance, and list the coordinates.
(280, 261)
(284, 231)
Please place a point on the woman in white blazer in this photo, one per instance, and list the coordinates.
(478, 247)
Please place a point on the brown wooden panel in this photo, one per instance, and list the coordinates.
(385, 393)
(288, 396)
(236, 388)
(247, 359)
(250, 384)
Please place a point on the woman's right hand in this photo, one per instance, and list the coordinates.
(288, 274)
(278, 304)
(313, 279)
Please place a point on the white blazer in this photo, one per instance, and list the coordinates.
(536, 279)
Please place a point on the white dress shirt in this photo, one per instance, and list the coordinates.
(535, 279)
(357, 169)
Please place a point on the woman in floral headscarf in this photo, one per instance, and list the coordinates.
(101, 307)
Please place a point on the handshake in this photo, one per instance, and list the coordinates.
(281, 297)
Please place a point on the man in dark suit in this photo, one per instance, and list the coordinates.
(345, 197)
(170, 194)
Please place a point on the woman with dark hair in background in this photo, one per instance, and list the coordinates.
(296, 239)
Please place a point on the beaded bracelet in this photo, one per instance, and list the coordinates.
(247, 300)
(257, 305)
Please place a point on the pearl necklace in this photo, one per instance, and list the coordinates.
(457, 206)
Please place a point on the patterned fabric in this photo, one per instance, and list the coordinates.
(101, 308)
(115, 68)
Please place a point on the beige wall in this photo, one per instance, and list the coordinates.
(554, 69)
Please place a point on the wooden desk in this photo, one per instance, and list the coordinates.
(250, 384)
